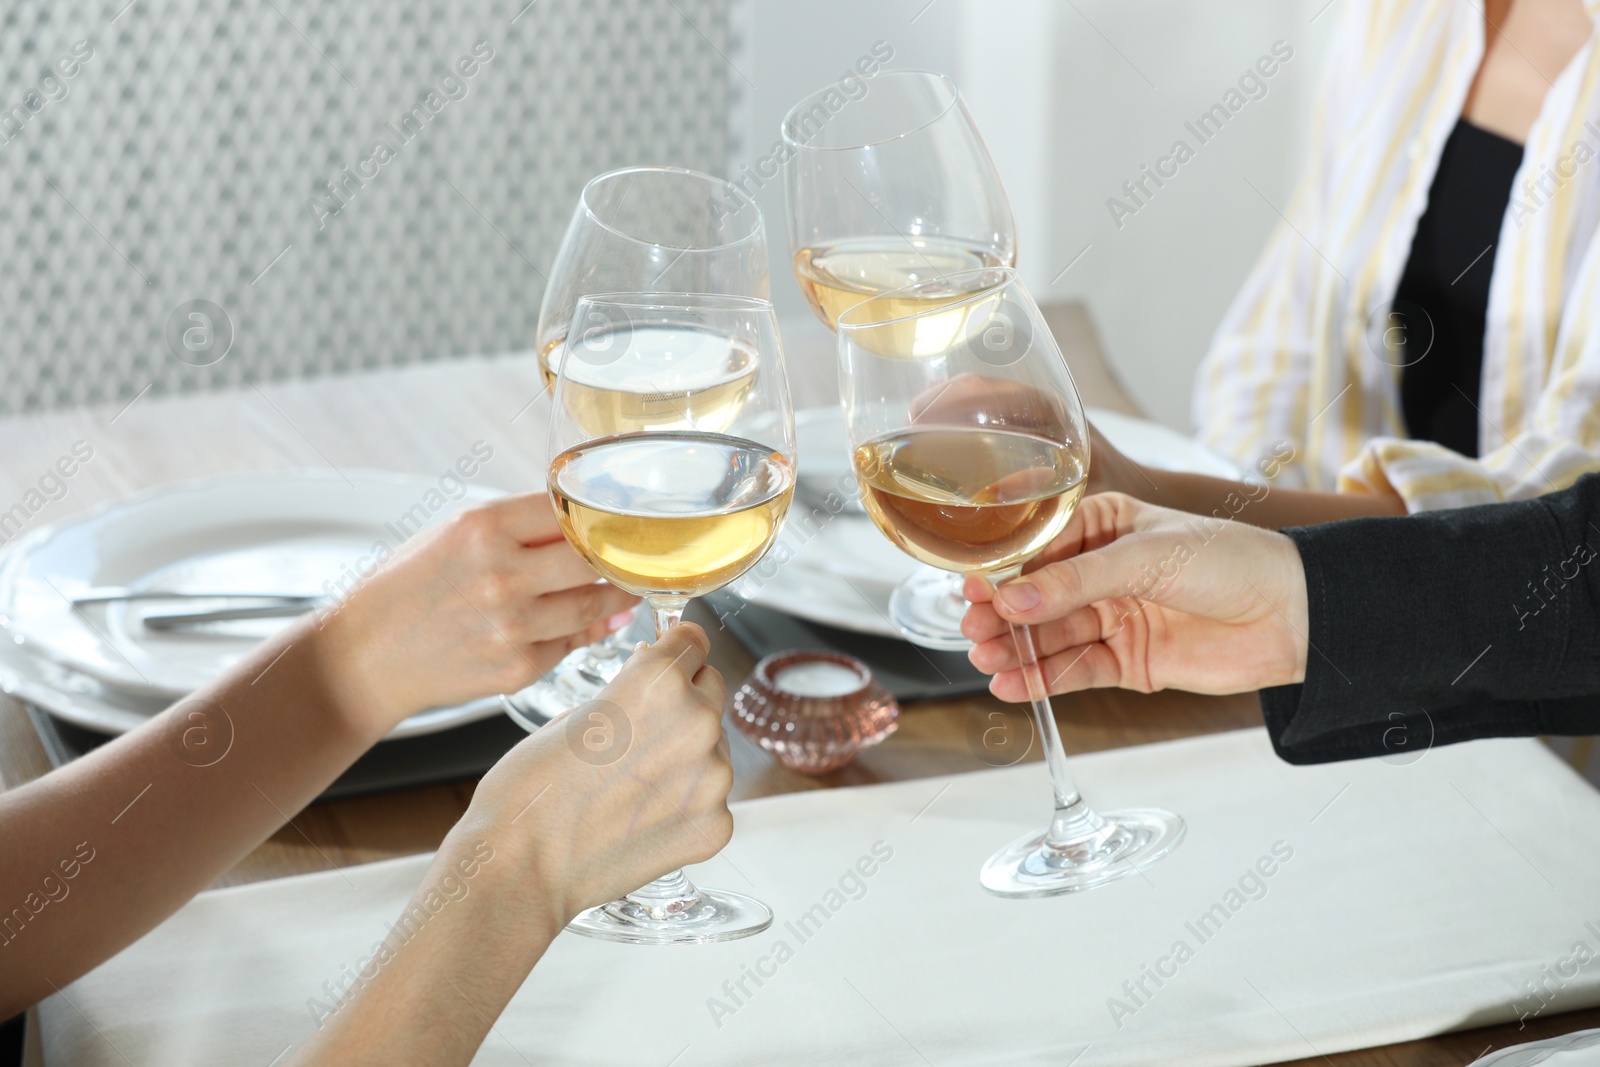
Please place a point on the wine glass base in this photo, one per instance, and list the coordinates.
(927, 609)
(714, 915)
(1130, 841)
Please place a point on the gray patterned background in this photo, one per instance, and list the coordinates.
(180, 161)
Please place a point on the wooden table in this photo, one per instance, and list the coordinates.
(420, 420)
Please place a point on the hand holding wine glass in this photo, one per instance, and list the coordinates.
(1127, 596)
(972, 452)
(676, 505)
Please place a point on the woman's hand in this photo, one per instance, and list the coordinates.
(619, 790)
(602, 800)
(482, 604)
(1140, 597)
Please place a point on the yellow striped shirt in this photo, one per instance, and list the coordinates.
(1303, 356)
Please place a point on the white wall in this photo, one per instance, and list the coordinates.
(1159, 285)
(1073, 99)
(788, 48)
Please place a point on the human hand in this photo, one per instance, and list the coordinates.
(484, 603)
(620, 790)
(1144, 598)
(1110, 471)
(558, 825)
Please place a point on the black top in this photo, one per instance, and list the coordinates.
(1443, 296)
(1447, 626)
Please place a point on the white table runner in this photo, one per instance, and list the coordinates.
(1310, 910)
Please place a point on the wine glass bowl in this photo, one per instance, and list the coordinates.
(672, 468)
(972, 451)
(966, 432)
(652, 229)
(893, 189)
(639, 229)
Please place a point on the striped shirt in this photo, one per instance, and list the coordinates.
(1304, 360)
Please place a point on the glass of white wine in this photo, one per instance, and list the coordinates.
(895, 188)
(972, 452)
(672, 492)
(639, 229)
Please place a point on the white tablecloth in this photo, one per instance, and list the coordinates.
(1402, 901)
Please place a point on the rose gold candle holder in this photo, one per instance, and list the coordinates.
(814, 711)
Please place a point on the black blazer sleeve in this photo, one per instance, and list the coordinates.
(1447, 626)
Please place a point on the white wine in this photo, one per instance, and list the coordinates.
(837, 277)
(671, 514)
(653, 378)
(975, 501)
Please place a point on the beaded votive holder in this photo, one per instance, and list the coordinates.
(814, 711)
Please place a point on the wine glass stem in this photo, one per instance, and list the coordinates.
(667, 612)
(1075, 821)
(672, 893)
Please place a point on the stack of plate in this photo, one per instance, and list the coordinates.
(832, 566)
(99, 665)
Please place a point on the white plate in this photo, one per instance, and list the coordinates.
(302, 532)
(82, 701)
(1578, 1049)
(835, 568)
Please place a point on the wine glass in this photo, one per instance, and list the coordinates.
(673, 464)
(892, 189)
(972, 453)
(640, 229)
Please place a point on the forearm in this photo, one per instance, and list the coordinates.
(1445, 627)
(1259, 503)
(102, 850)
(429, 992)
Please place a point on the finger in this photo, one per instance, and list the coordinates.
(553, 566)
(1092, 666)
(982, 623)
(1100, 519)
(1053, 591)
(529, 518)
(683, 648)
(709, 681)
(977, 590)
(999, 653)
(573, 610)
